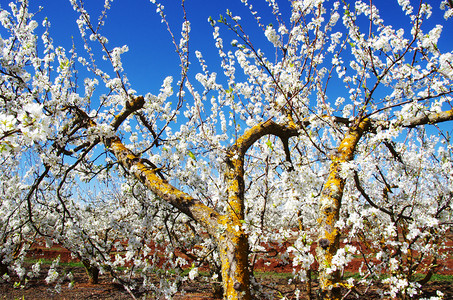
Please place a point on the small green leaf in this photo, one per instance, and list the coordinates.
(64, 63)
(269, 144)
(192, 155)
(211, 21)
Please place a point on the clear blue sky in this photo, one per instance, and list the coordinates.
(152, 56)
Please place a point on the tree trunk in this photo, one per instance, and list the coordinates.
(92, 272)
(3, 268)
(329, 213)
(329, 239)
(233, 241)
(233, 248)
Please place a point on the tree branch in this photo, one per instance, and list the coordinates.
(422, 119)
(130, 108)
(151, 177)
(367, 198)
(258, 131)
(185, 203)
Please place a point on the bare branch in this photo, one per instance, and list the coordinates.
(130, 108)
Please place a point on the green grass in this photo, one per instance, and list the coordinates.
(356, 276)
(435, 277)
(72, 264)
(267, 274)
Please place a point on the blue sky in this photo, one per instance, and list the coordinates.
(151, 54)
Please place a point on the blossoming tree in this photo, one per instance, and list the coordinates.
(340, 135)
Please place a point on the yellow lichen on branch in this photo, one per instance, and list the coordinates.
(148, 176)
(329, 206)
(234, 176)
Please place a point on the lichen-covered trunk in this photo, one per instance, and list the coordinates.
(329, 239)
(329, 213)
(233, 248)
(233, 241)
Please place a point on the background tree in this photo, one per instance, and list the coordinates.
(330, 136)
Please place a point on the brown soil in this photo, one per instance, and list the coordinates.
(37, 289)
(195, 290)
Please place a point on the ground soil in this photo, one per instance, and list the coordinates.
(272, 273)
